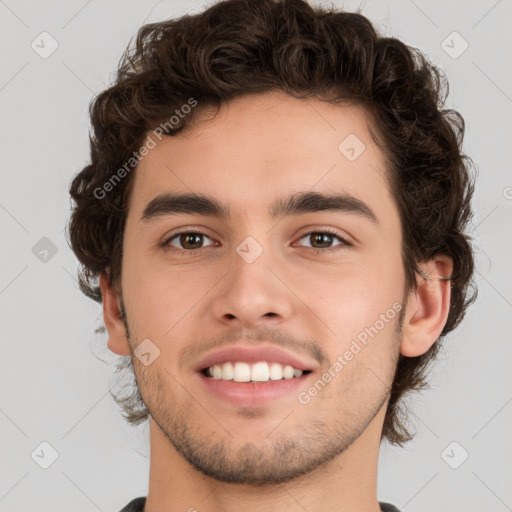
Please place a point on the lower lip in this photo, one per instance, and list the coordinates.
(251, 394)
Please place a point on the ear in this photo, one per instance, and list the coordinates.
(112, 316)
(427, 307)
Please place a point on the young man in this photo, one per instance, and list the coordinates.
(273, 219)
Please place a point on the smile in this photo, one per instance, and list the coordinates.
(261, 371)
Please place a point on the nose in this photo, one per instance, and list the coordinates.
(253, 293)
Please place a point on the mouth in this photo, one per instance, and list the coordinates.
(253, 375)
(261, 371)
(250, 392)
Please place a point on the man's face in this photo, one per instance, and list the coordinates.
(285, 288)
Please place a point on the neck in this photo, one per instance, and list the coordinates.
(347, 483)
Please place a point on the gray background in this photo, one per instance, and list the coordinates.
(55, 373)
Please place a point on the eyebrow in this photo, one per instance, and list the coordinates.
(298, 203)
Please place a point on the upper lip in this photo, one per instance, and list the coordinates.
(253, 354)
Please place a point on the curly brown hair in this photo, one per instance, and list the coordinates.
(239, 47)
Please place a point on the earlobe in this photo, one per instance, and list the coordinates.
(112, 316)
(427, 307)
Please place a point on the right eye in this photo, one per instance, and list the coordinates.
(186, 241)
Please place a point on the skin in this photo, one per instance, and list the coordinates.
(207, 454)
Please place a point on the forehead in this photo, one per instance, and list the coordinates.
(261, 146)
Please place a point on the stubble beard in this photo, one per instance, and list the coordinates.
(281, 458)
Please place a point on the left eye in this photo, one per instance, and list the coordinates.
(322, 239)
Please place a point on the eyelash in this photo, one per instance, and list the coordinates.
(191, 252)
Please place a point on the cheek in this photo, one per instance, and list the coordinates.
(349, 297)
(161, 298)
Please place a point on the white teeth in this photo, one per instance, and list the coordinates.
(276, 371)
(217, 371)
(288, 372)
(227, 371)
(242, 372)
(260, 372)
(257, 372)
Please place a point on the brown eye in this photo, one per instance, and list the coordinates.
(322, 240)
(188, 241)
